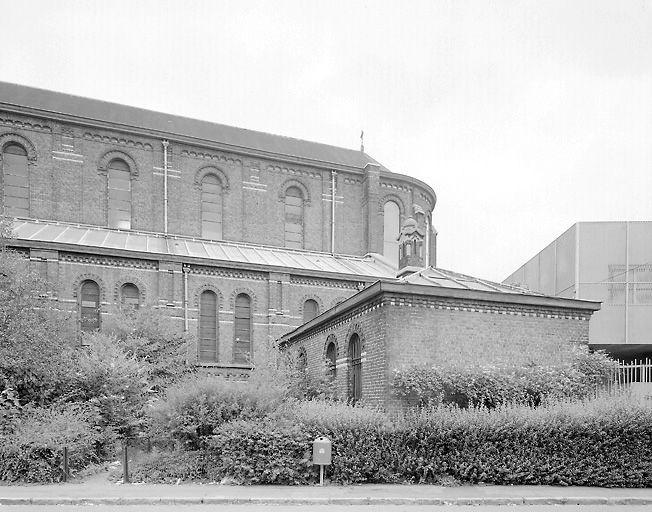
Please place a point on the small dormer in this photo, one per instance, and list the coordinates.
(410, 248)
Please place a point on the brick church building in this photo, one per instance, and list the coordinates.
(245, 237)
(240, 235)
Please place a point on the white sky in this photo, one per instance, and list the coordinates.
(524, 116)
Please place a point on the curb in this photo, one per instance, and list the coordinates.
(217, 500)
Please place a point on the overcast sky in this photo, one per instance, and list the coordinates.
(524, 116)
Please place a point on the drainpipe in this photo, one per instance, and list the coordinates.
(165, 186)
(333, 174)
(627, 278)
(185, 299)
(427, 242)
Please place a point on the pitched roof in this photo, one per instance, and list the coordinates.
(82, 238)
(437, 282)
(432, 276)
(87, 109)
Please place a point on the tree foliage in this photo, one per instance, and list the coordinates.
(35, 337)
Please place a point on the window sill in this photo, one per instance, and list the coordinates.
(239, 366)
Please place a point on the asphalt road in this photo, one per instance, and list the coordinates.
(324, 508)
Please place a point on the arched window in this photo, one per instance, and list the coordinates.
(15, 173)
(310, 310)
(211, 207)
(208, 326)
(355, 369)
(302, 360)
(392, 228)
(130, 296)
(242, 327)
(331, 359)
(294, 218)
(119, 187)
(89, 303)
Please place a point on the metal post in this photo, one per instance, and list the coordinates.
(65, 464)
(125, 464)
(627, 278)
(321, 475)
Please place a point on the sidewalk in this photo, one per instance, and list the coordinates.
(140, 494)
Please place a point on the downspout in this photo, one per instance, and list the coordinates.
(185, 299)
(427, 241)
(627, 278)
(333, 174)
(165, 186)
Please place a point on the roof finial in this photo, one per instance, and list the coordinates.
(362, 140)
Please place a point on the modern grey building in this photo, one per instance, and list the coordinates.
(602, 261)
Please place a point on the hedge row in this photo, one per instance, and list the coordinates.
(605, 442)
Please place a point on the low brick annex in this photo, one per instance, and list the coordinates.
(405, 324)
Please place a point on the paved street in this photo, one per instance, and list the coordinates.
(107, 496)
(326, 508)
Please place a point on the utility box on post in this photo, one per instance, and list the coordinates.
(321, 451)
(321, 454)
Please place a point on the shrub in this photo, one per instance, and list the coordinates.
(152, 339)
(492, 386)
(605, 442)
(262, 452)
(35, 338)
(363, 446)
(114, 383)
(194, 408)
(169, 467)
(602, 442)
(34, 451)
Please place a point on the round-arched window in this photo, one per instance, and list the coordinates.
(310, 310)
(130, 296)
(391, 230)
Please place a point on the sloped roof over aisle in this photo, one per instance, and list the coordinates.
(82, 238)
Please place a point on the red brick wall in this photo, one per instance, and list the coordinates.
(403, 331)
(369, 322)
(65, 185)
(277, 298)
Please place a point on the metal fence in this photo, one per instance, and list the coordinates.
(634, 371)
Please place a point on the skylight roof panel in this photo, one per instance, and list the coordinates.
(250, 255)
(115, 240)
(215, 251)
(136, 242)
(196, 249)
(27, 229)
(232, 253)
(49, 233)
(178, 247)
(157, 244)
(72, 235)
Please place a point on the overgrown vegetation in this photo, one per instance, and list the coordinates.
(529, 425)
(600, 442)
(492, 386)
(59, 390)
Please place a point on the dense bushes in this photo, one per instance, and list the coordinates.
(193, 409)
(152, 339)
(601, 442)
(111, 381)
(493, 386)
(33, 452)
(272, 451)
